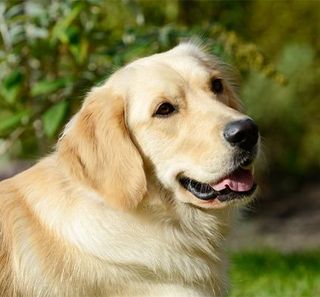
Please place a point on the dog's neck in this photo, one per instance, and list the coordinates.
(202, 229)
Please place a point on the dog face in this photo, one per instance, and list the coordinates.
(182, 115)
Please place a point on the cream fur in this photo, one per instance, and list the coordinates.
(104, 214)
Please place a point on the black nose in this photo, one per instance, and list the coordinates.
(243, 134)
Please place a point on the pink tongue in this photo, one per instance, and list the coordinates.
(239, 181)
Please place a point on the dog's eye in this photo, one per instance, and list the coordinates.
(217, 86)
(165, 109)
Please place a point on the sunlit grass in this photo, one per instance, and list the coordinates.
(274, 274)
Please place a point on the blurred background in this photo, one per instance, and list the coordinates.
(53, 52)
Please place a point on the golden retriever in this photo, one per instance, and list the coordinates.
(137, 197)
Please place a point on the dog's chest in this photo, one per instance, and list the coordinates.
(130, 250)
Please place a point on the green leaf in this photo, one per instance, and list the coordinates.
(11, 86)
(80, 51)
(44, 87)
(53, 118)
(11, 121)
(60, 30)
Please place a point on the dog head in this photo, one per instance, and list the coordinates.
(174, 112)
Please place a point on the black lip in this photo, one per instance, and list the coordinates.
(204, 191)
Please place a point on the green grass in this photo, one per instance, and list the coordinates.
(274, 274)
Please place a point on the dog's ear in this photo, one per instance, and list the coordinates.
(97, 149)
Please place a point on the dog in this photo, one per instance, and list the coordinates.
(138, 196)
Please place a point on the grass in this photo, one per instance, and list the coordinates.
(274, 274)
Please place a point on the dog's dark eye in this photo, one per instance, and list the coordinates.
(165, 109)
(217, 86)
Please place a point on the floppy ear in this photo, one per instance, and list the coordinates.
(97, 149)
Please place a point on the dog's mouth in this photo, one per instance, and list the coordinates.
(238, 184)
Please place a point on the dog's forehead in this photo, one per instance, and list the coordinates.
(168, 72)
(168, 65)
(184, 63)
(156, 77)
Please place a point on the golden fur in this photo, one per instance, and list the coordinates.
(104, 214)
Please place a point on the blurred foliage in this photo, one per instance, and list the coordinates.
(52, 52)
(290, 114)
